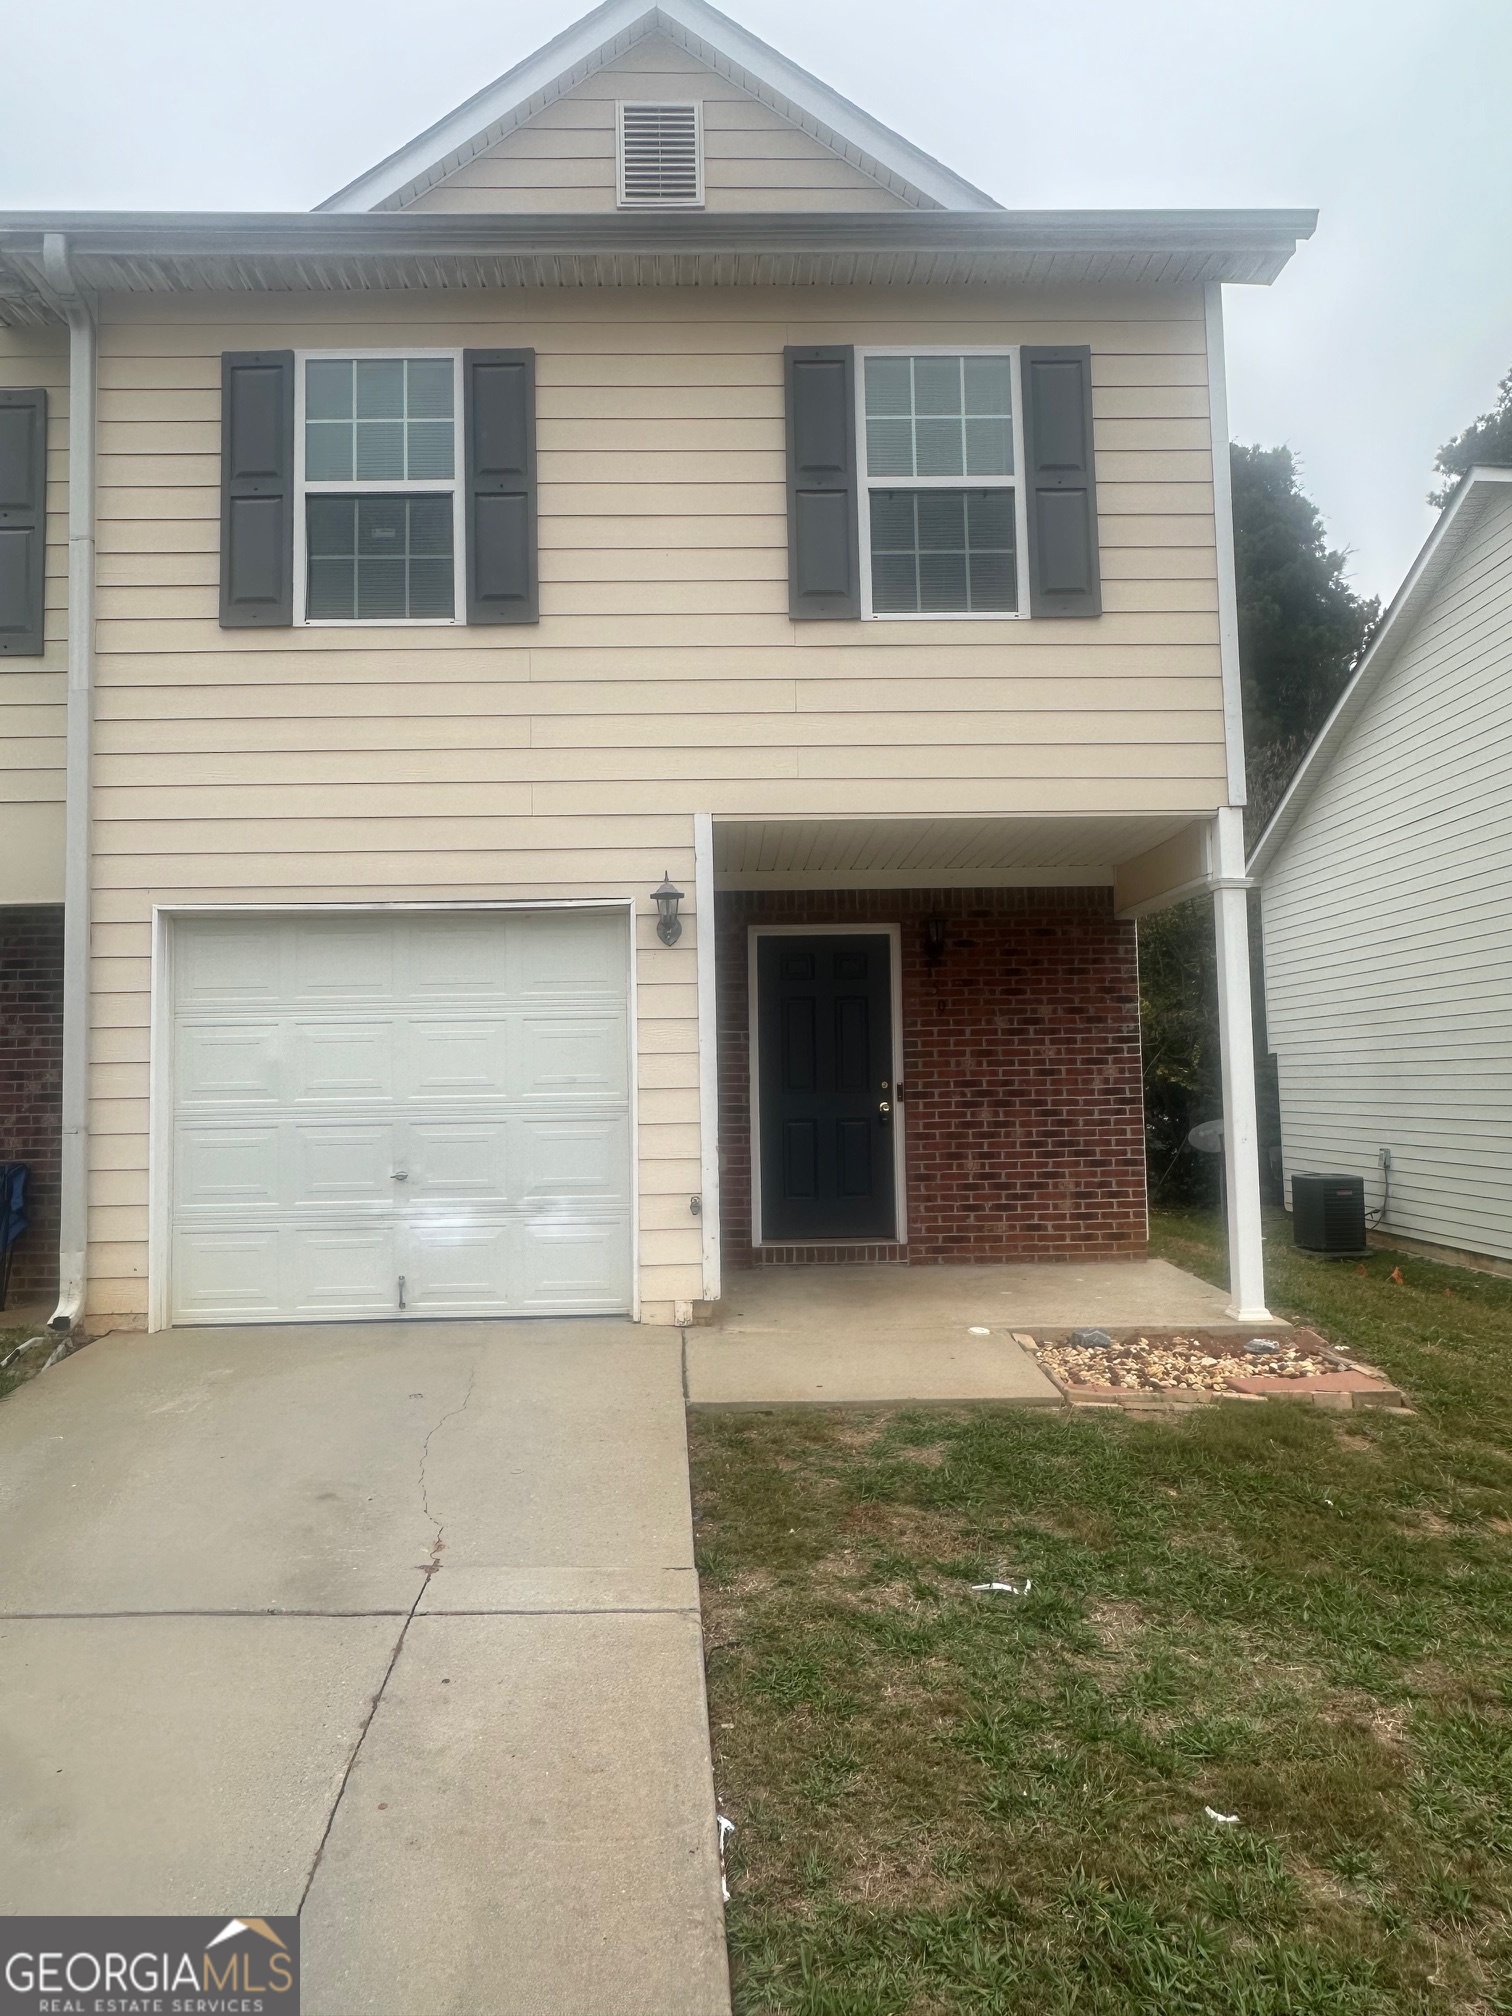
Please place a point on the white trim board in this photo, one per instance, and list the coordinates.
(894, 934)
(730, 50)
(1223, 517)
(704, 926)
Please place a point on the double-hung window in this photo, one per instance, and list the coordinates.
(942, 513)
(378, 448)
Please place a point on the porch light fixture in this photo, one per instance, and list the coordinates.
(668, 923)
(934, 940)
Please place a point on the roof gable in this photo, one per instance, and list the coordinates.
(565, 158)
(1412, 601)
(722, 45)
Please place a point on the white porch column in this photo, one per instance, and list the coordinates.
(1237, 1044)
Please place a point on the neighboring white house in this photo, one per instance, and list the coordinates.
(1387, 891)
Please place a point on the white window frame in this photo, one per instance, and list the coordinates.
(1015, 483)
(429, 486)
(624, 202)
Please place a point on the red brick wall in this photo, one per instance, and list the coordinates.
(1024, 1116)
(31, 1085)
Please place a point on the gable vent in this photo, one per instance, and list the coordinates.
(660, 155)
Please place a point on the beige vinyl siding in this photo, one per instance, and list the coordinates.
(564, 158)
(34, 691)
(664, 677)
(1388, 926)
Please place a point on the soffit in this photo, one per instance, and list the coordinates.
(750, 853)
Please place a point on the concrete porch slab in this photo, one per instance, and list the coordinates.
(794, 1336)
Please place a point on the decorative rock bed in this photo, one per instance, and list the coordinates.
(1152, 1369)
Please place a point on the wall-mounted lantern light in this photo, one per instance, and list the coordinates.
(934, 940)
(668, 923)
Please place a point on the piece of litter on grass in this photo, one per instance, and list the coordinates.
(978, 1330)
(1002, 1588)
(726, 1827)
(1223, 1819)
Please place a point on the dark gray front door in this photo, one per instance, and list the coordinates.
(824, 1037)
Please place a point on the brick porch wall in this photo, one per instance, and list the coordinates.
(31, 1085)
(1021, 1066)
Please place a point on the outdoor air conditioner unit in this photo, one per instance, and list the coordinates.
(1328, 1214)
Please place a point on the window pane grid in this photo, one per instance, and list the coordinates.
(379, 489)
(939, 417)
(379, 558)
(943, 541)
(943, 552)
(380, 419)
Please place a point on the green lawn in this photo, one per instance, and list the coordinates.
(955, 1802)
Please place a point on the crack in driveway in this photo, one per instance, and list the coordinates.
(450, 1415)
(431, 1567)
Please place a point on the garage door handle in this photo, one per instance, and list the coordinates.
(400, 1176)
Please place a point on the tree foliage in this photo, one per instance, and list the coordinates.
(1488, 439)
(1301, 625)
(1178, 1014)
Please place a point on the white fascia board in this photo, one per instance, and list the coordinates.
(1423, 578)
(606, 33)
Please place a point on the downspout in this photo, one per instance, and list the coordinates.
(73, 1238)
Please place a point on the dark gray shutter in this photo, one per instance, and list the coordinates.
(498, 413)
(824, 576)
(1064, 578)
(23, 521)
(257, 489)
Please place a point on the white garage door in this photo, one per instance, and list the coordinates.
(422, 1113)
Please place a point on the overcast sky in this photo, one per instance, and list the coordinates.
(1385, 335)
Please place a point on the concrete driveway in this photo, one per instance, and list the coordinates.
(396, 1626)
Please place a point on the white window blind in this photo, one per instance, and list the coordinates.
(661, 155)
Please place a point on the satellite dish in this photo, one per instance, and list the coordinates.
(1207, 1138)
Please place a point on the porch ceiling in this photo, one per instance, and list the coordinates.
(936, 853)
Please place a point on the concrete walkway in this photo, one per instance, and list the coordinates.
(831, 1335)
(397, 1626)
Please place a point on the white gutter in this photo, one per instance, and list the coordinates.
(74, 1200)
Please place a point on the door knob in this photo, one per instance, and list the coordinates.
(883, 1106)
(400, 1176)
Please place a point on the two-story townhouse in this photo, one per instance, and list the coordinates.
(604, 704)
